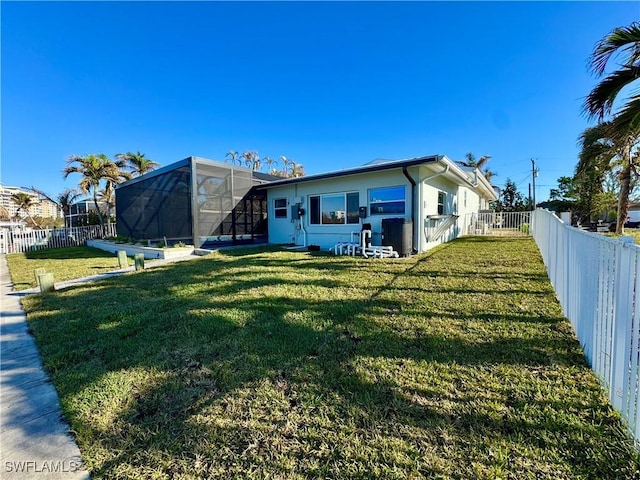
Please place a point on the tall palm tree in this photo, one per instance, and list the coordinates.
(95, 170)
(137, 163)
(471, 161)
(285, 165)
(594, 161)
(252, 160)
(25, 201)
(269, 163)
(604, 149)
(64, 201)
(107, 197)
(624, 44)
(297, 170)
(234, 156)
(480, 163)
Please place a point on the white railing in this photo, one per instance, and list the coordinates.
(16, 241)
(597, 281)
(495, 223)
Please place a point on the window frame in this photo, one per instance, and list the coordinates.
(350, 217)
(442, 205)
(381, 203)
(277, 209)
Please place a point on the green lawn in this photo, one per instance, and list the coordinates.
(65, 264)
(270, 364)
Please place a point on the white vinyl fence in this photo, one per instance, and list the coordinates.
(597, 281)
(15, 241)
(496, 223)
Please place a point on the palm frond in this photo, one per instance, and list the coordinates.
(623, 39)
(627, 121)
(600, 100)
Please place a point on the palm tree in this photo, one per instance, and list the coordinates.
(269, 163)
(94, 170)
(4, 213)
(137, 163)
(25, 201)
(252, 160)
(624, 44)
(297, 170)
(594, 161)
(64, 201)
(602, 150)
(489, 174)
(234, 157)
(107, 197)
(285, 165)
(471, 161)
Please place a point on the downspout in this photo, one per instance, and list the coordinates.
(300, 219)
(414, 210)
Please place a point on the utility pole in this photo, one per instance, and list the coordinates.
(534, 174)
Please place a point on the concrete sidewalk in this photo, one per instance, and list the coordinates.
(34, 440)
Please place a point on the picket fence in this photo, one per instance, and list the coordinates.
(496, 223)
(597, 281)
(16, 241)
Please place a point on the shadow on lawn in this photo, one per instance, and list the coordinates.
(315, 360)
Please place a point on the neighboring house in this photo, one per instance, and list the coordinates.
(424, 197)
(634, 212)
(82, 211)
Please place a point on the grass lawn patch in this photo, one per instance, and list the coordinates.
(65, 264)
(456, 364)
(629, 232)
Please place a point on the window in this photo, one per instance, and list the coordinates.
(334, 209)
(353, 205)
(280, 205)
(389, 200)
(442, 198)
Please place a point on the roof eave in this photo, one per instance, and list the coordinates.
(355, 171)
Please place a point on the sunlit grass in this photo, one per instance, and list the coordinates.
(252, 364)
(65, 264)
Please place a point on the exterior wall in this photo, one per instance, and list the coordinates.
(430, 190)
(460, 198)
(286, 230)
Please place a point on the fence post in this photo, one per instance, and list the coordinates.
(37, 272)
(122, 259)
(45, 280)
(139, 261)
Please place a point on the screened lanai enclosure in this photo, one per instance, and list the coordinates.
(195, 201)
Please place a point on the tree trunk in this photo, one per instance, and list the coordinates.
(98, 212)
(623, 199)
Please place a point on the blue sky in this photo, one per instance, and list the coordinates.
(330, 85)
